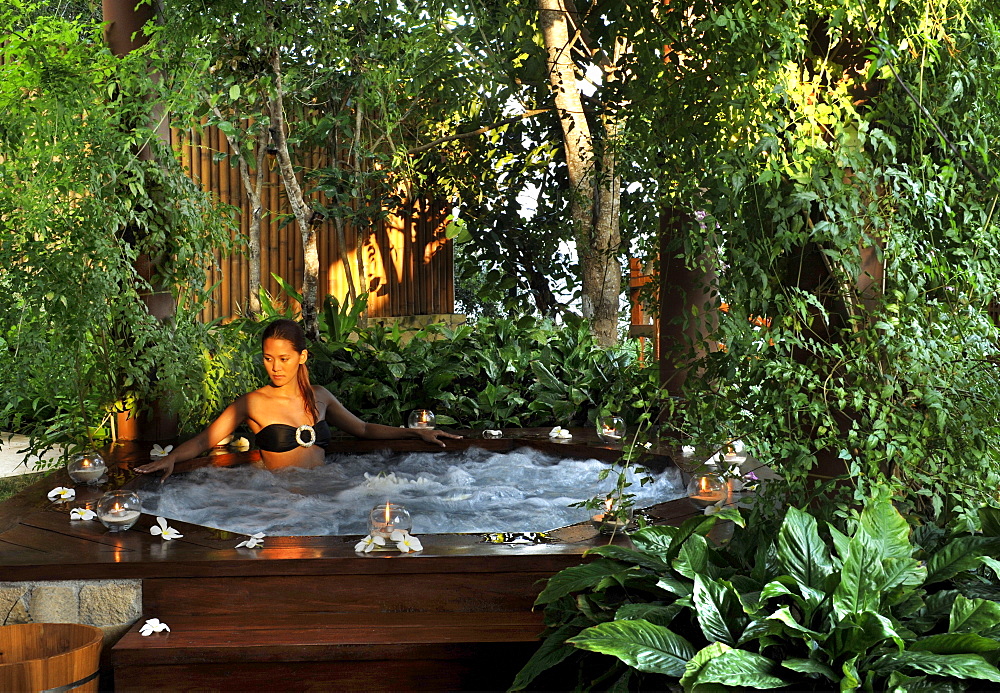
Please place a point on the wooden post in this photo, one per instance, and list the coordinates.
(688, 306)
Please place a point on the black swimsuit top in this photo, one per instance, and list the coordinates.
(282, 437)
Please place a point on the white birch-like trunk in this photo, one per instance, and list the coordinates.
(594, 202)
(293, 191)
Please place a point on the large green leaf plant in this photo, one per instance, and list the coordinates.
(879, 607)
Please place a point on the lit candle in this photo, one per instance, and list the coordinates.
(708, 490)
(119, 510)
(86, 468)
(611, 520)
(118, 518)
(610, 433)
(88, 472)
(381, 528)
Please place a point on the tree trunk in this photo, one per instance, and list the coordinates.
(307, 231)
(253, 186)
(594, 202)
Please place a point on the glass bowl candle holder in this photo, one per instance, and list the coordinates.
(86, 468)
(611, 428)
(421, 418)
(119, 510)
(386, 518)
(614, 518)
(708, 488)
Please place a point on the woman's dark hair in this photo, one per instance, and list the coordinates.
(291, 332)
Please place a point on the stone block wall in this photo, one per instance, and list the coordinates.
(111, 605)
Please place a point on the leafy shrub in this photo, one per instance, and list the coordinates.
(878, 607)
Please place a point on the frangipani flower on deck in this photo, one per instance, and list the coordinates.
(715, 507)
(161, 529)
(560, 433)
(253, 542)
(61, 493)
(82, 514)
(405, 541)
(240, 444)
(369, 543)
(153, 625)
(157, 452)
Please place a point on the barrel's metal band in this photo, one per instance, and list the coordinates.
(75, 684)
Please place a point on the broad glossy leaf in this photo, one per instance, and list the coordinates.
(889, 531)
(962, 666)
(872, 629)
(851, 679)
(955, 643)
(579, 578)
(992, 563)
(682, 588)
(741, 668)
(859, 576)
(989, 518)
(640, 644)
(719, 611)
(692, 559)
(974, 616)
(801, 551)
(757, 629)
(656, 540)
(957, 556)
(698, 662)
(658, 614)
(627, 555)
(810, 666)
(784, 615)
(906, 572)
(552, 651)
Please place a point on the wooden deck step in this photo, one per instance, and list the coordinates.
(371, 651)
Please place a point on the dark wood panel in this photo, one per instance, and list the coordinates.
(487, 668)
(472, 592)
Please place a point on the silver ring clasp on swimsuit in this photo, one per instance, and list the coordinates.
(312, 436)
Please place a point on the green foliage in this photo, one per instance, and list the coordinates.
(496, 373)
(89, 194)
(804, 608)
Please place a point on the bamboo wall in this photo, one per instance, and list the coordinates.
(408, 263)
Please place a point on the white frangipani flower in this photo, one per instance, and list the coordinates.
(715, 507)
(253, 542)
(61, 493)
(157, 452)
(82, 514)
(369, 543)
(161, 529)
(240, 444)
(560, 433)
(153, 625)
(405, 541)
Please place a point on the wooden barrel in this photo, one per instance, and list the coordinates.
(53, 657)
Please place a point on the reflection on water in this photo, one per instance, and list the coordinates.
(472, 491)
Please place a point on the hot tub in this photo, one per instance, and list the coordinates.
(474, 490)
(307, 611)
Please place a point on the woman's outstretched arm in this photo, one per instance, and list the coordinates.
(338, 415)
(231, 417)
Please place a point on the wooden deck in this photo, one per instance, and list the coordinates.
(306, 611)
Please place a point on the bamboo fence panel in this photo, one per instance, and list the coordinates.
(408, 262)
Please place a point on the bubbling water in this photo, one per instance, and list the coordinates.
(475, 490)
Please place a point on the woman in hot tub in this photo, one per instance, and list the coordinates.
(290, 417)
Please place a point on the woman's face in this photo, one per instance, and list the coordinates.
(282, 361)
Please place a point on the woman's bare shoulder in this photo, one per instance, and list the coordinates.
(323, 395)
